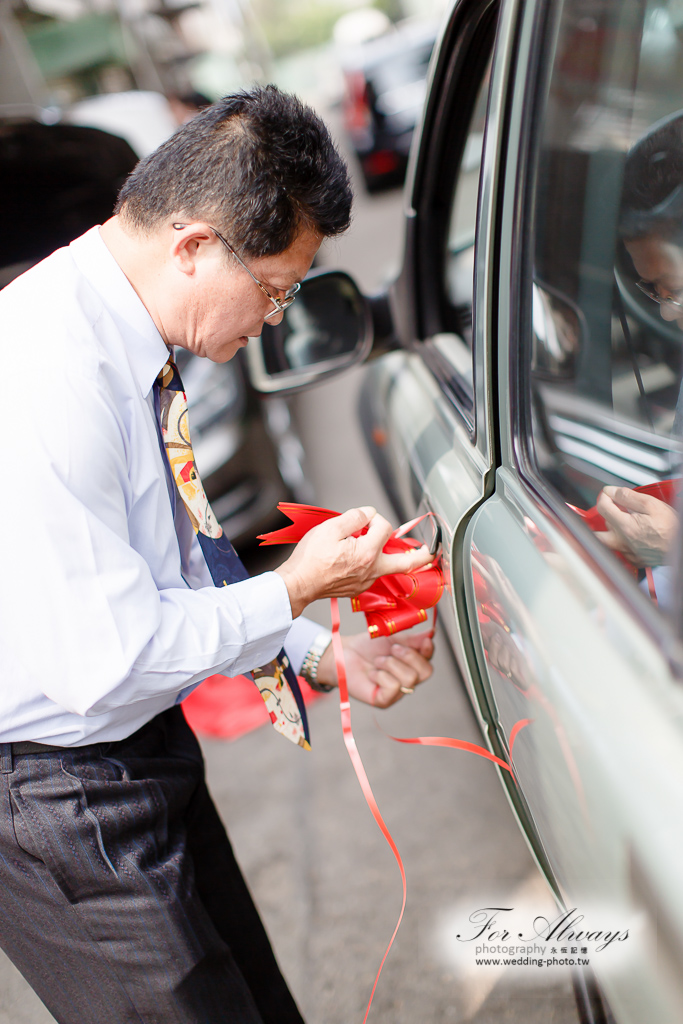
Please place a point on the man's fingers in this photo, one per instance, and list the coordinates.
(405, 664)
(379, 531)
(421, 642)
(610, 540)
(352, 521)
(394, 670)
(633, 501)
(611, 513)
(406, 561)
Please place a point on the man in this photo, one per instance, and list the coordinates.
(120, 898)
(640, 526)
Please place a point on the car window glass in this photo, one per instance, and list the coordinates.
(453, 348)
(606, 334)
(463, 213)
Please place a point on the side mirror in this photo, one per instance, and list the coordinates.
(559, 333)
(326, 331)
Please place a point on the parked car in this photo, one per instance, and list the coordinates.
(384, 91)
(532, 356)
(60, 179)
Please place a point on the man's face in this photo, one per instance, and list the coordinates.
(660, 263)
(221, 306)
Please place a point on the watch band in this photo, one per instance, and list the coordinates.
(309, 669)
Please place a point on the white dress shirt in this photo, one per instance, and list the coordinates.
(107, 609)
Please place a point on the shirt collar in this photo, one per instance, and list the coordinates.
(144, 345)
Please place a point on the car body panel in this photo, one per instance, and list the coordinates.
(598, 691)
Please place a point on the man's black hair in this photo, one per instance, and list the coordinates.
(652, 196)
(258, 165)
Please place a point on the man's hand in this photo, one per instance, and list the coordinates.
(504, 654)
(641, 527)
(330, 562)
(377, 669)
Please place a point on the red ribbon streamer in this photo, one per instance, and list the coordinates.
(352, 749)
(392, 604)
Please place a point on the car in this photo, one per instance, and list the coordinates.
(63, 178)
(384, 90)
(527, 356)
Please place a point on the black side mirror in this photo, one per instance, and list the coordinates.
(559, 333)
(327, 330)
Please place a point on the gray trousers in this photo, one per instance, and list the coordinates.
(120, 898)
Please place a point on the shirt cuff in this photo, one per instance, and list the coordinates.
(266, 619)
(299, 640)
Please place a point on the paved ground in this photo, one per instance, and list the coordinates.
(326, 882)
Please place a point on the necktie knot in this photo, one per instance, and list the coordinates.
(168, 374)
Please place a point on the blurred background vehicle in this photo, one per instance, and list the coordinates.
(62, 179)
(385, 86)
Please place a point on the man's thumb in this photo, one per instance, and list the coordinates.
(354, 520)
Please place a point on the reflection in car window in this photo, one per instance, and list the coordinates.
(607, 301)
(459, 269)
(454, 349)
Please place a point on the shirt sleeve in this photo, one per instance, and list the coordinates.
(99, 633)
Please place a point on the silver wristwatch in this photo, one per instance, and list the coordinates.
(309, 669)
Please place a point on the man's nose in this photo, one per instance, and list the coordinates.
(276, 318)
(669, 313)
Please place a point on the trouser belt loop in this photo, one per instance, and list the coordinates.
(6, 764)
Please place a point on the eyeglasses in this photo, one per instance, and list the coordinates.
(280, 304)
(649, 289)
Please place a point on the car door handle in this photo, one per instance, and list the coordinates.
(436, 539)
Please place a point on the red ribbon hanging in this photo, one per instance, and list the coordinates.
(392, 604)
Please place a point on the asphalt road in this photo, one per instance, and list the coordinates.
(326, 882)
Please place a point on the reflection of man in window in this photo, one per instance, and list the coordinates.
(640, 526)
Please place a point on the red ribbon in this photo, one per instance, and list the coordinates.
(393, 603)
(667, 491)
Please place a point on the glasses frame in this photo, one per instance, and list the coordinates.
(647, 288)
(280, 304)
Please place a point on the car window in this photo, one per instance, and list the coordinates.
(605, 335)
(459, 264)
(451, 345)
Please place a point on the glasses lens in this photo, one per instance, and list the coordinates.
(652, 293)
(649, 289)
(282, 305)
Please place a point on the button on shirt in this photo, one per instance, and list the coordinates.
(107, 609)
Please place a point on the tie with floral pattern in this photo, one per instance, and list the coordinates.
(276, 681)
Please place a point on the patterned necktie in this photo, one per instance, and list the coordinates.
(276, 681)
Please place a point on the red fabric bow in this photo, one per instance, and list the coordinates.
(393, 603)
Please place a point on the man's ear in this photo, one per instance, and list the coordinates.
(187, 245)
